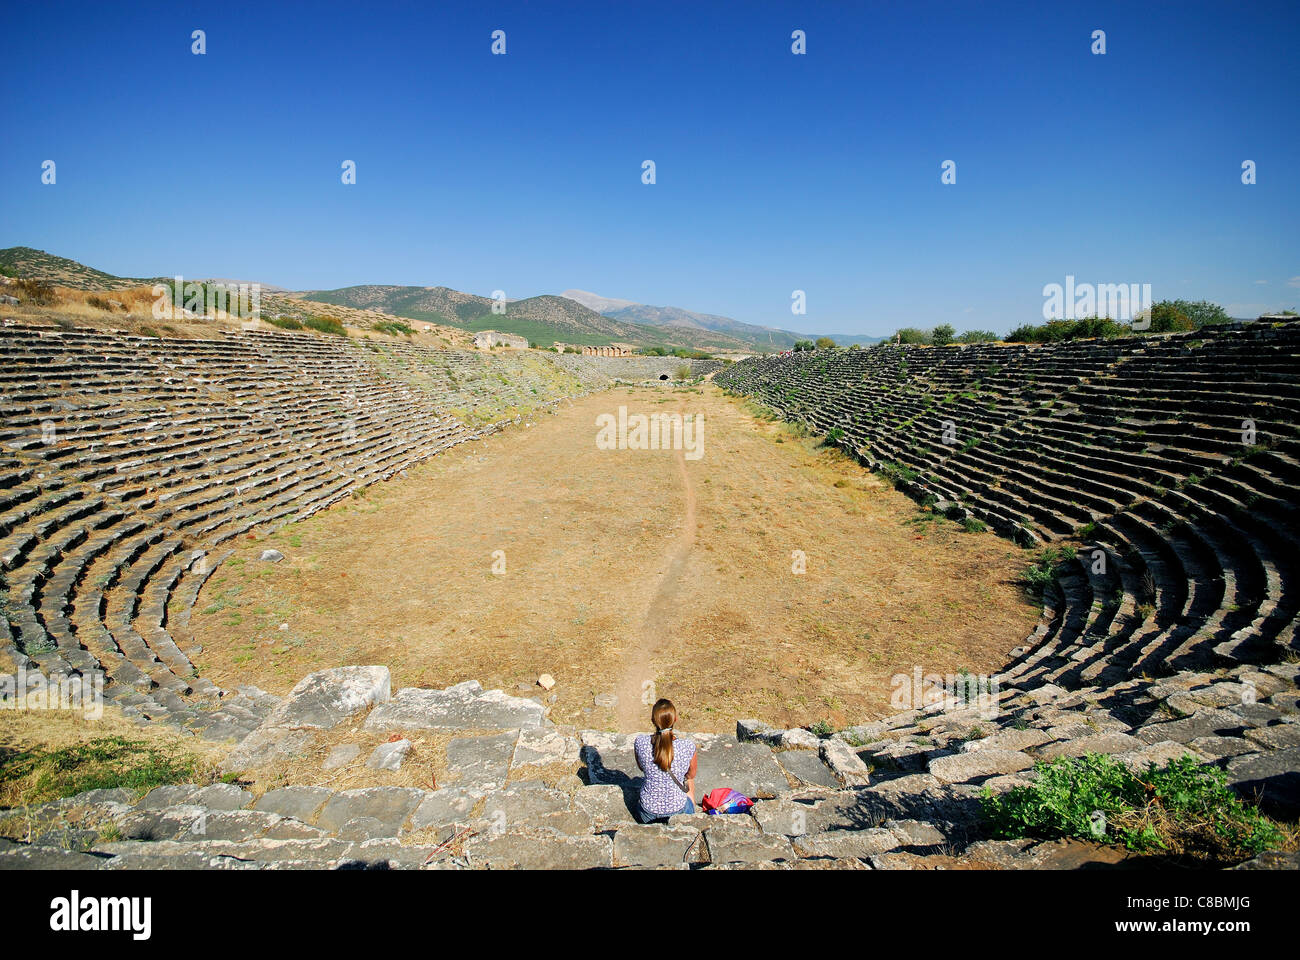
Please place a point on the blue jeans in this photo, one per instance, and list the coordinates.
(652, 818)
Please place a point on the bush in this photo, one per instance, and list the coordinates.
(683, 372)
(1181, 808)
(284, 323)
(942, 335)
(912, 335)
(977, 336)
(825, 343)
(325, 325)
(1056, 331)
(1167, 318)
(37, 292)
(1038, 577)
(1202, 313)
(802, 345)
(393, 328)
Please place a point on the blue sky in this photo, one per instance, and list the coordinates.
(775, 172)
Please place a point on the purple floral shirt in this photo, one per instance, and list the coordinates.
(660, 797)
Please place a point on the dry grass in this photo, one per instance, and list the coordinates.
(52, 731)
(73, 308)
(403, 576)
(91, 309)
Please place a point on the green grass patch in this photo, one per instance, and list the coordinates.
(1181, 809)
(39, 775)
(1038, 577)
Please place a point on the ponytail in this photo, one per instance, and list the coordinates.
(663, 716)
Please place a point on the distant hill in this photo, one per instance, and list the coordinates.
(594, 301)
(755, 337)
(29, 263)
(543, 319)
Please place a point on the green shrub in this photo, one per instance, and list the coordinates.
(1181, 808)
(1039, 576)
(393, 328)
(325, 325)
(896, 472)
(1202, 313)
(1167, 318)
(285, 323)
(1056, 331)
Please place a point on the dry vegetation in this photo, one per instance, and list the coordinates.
(403, 576)
(130, 310)
(47, 754)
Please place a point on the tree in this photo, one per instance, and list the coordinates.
(825, 343)
(941, 335)
(1202, 313)
(803, 345)
(1167, 317)
(912, 335)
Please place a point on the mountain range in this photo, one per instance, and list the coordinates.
(576, 316)
(757, 337)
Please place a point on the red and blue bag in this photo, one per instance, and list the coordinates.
(726, 800)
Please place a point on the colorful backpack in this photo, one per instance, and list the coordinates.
(726, 800)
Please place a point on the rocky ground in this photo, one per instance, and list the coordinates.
(896, 794)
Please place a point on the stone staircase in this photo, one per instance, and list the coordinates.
(901, 793)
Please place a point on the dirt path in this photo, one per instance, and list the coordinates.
(535, 551)
(637, 691)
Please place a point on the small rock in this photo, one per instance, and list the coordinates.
(546, 681)
(272, 556)
(389, 756)
(605, 700)
(799, 739)
(341, 756)
(844, 763)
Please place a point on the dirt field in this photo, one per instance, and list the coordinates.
(627, 567)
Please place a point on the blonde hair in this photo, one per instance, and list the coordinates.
(664, 716)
